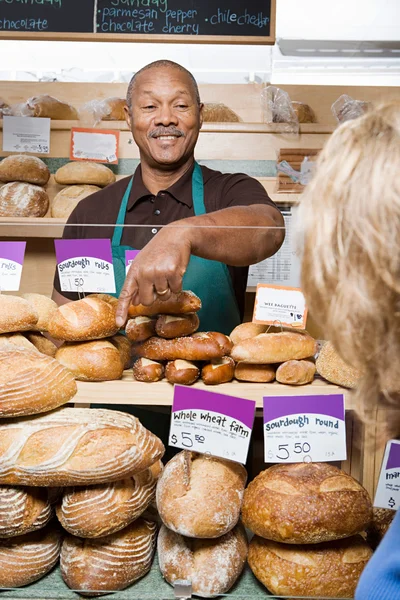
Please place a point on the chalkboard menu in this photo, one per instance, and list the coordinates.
(229, 21)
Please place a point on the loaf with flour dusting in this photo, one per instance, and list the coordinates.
(99, 510)
(21, 167)
(212, 566)
(19, 199)
(83, 320)
(75, 446)
(23, 510)
(109, 563)
(200, 496)
(98, 360)
(45, 308)
(16, 314)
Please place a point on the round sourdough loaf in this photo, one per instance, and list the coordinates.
(26, 558)
(329, 570)
(84, 173)
(212, 566)
(99, 510)
(41, 343)
(83, 320)
(23, 510)
(333, 368)
(200, 496)
(75, 446)
(23, 200)
(305, 503)
(99, 360)
(31, 382)
(20, 167)
(65, 201)
(45, 308)
(124, 348)
(16, 314)
(108, 563)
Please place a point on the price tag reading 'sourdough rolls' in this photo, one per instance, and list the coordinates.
(388, 490)
(85, 266)
(304, 428)
(11, 261)
(212, 423)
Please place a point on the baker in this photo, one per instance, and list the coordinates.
(196, 228)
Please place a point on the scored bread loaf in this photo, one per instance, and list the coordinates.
(16, 339)
(46, 106)
(27, 558)
(19, 199)
(16, 314)
(200, 496)
(23, 510)
(68, 198)
(218, 371)
(244, 331)
(328, 570)
(41, 343)
(182, 303)
(147, 370)
(31, 382)
(99, 360)
(296, 372)
(212, 566)
(255, 373)
(124, 348)
(45, 308)
(184, 348)
(83, 320)
(270, 348)
(140, 329)
(28, 169)
(111, 562)
(305, 503)
(99, 510)
(84, 173)
(333, 368)
(182, 372)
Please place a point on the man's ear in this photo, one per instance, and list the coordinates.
(127, 116)
(201, 114)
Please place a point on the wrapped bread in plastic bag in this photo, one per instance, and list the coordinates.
(5, 109)
(277, 108)
(107, 109)
(304, 112)
(346, 109)
(45, 106)
(218, 112)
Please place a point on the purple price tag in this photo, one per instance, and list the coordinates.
(14, 251)
(11, 261)
(393, 461)
(283, 406)
(93, 248)
(129, 256)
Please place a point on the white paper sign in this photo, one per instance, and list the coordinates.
(388, 490)
(274, 304)
(26, 134)
(208, 422)
(100, 146)
(11, 262)
(304, 428)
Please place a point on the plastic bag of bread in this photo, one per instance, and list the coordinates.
(5, 109)
(107, 109)
(277, 108)
(345, 108)
(45, 106)
(304, 112)
(218, 112)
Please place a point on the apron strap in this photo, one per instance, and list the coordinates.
(198, 191)
(117, 235)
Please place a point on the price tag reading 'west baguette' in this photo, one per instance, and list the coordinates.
(275, 304)
(212, 423)
(388, 490)
(85, 266)
(304, 429)
(96, 145)
(11, 261)
(129, 258)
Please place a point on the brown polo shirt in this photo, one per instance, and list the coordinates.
(92, 215)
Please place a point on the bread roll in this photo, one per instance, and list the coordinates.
(172, 326)
(333, 368)
(182, 303)
(244, 331)
(83, 320)
(109, 563)
(223, 340)
(16, 314)
(16, 339)
(99, 360)
(23, 510)
(185, 348)
(20, 167)
(112, 109)
(305, 503)
(218, 371)
(124, 348)
(296, 372)
(41, 343)
(65, 201)
(219, 113)
(381, 520)
(182, 372)
(27, 558)
(255, 373)
(23, 200)
(51, 108)
(212, 566)
(32, 383)
(270, 348)
(84, 173)
(45, 308)
(200, 496)
(304, 112)
(140, 329)
(99, 510)
(75, 446)
(329, 570)
(147, 370)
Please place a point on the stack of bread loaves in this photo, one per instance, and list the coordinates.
(23, 194)
(201, 539)
(307, 519)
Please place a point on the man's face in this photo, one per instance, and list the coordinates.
(165, 119)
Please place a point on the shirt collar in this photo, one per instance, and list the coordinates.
(181, 190)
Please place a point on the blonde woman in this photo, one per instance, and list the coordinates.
(350, 219)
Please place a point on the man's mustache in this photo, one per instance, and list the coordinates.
(166, 131)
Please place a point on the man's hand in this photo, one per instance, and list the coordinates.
(156, 272)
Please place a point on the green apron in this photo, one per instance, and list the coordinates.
(208, 279)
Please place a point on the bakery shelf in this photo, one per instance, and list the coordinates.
(31, 227)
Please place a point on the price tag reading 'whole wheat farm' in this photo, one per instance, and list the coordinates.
(26, 134)
(11, 261)
(85, 265)
(304, 429)
(388, 491)
(284, 305)
(129, 258)
(207, 422)
(97, 145)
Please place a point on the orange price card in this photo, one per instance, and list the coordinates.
(96, 145)
(277, 305)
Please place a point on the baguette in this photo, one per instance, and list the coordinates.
(23, 510)
(218, 371)
(223, 340)
(173, 326)
(182, 372)
(19, 199)
(75, 446)
(140, 329)
(185, 348)
(51, 108)
(270, 348)
(255, 373)
(84, 173)
(124, 348)
(28, 169)
(83, 320)
(45, 308)
(41, 343)
(182, 303)
(16, 314)
(147, 370)
(296, 372)
(99, 360)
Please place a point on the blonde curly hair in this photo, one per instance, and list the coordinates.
(350, 225)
